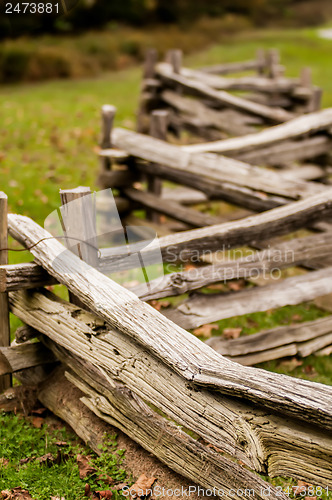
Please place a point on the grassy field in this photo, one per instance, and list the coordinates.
(50, 130)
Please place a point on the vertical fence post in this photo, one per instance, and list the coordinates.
(107, 119)
(174, 57)
(273, 63)
(148, 89)
(158, 129)
(5, 380)
(315, 100)
(79, 221)
(261, 61)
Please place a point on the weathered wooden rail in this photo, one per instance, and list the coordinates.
(202, 102)
(121, 351)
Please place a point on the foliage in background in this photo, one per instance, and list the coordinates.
(80, 15)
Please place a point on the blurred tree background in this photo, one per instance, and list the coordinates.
(75, 16)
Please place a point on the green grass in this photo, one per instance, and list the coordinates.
(20, 440)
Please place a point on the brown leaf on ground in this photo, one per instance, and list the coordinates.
(105, 479)
(102, 494)
(309, 370)
(187, 267)
(37, 422)
(217, 286)
(205, 330)
(296, 317)
(39, 411)
(301, 487)
(61, 443)
(142, 486)
(84, 466)
(87, 490)
(3, 462)
(47, 459)
(25, 460)
(16, 494)
(291, 364)
(159, 305)
(236, 285)
(231, 333)
(252, 323)
(58, 498)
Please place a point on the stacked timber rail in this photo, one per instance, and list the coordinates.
(252, 189)
(125, 357)
(210, 104)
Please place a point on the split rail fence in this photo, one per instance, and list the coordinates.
(124, 357)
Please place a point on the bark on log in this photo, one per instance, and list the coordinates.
(251, 434)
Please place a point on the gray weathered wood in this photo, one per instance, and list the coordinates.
(5, 381)
(221, 97)
(20, 357)
(300, 126)
(271, 339)
(286, 152)
(78, 214)
(117, 178)
(187, 356)
(286, 254)
(235, 67)
(202, 309)
(191, 244)
(107, 118)
(158, 129)
(26, 275)
(196, 112)
(246, 432)
(212, 167)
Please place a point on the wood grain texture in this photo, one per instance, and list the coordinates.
(235, 426)
(178, 349)
(26, 355)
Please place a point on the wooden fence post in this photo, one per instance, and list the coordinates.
(273, 63)
(158, 130)
(261, 61)
(148, 89)
(79, 221)
(107, 119)
(174, 57)
(5, 380)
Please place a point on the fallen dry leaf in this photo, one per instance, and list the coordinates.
(102, 494)
(217, 286)
(296, 317)
(84, 466)
(47, 459)
(309, 370)
(158, 305)
(236, 285)
(4, 462)
(291, 364)
(87, 490)
(37, 422)
(205, 330)
(142, 486)
(231, 333)
(39, 411)
(105, 479)
(16, 494)
(301, 487)
(58, 498)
